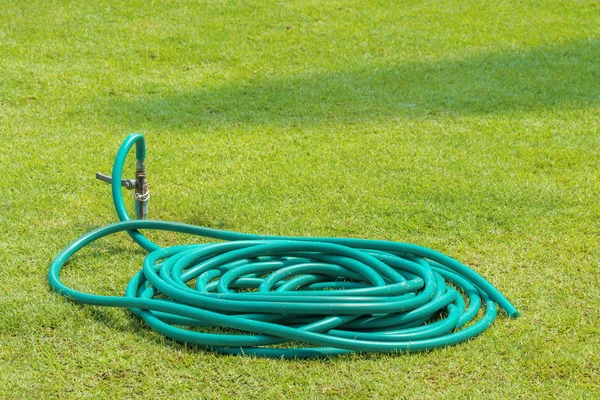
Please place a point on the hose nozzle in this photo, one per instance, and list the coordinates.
(139, 184)
(142, 194)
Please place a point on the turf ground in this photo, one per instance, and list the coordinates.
(469, 127)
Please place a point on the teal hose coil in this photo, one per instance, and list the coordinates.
(267, 294)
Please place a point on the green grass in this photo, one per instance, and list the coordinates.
(469, 127)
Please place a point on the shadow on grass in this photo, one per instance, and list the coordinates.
(557, 77)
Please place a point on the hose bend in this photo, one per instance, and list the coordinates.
(262, 295)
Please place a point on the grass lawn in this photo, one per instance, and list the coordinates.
(469, 127)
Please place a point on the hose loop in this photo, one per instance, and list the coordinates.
(263, 295)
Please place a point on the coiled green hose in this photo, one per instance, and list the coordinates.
(333, 295)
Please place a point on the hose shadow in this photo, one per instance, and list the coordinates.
(545, 78)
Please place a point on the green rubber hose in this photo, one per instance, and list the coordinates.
(328, 296)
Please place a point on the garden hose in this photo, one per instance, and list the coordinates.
(291, 297)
